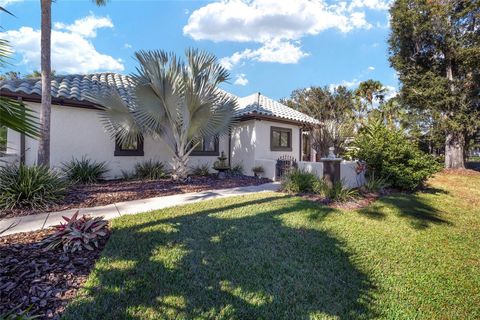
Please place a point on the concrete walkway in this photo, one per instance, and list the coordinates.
(45, 220)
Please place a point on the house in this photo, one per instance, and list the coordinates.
(265, 131)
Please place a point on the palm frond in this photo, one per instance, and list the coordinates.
(14, 115)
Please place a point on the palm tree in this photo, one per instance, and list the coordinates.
(45, 61)
(175, 100)
(366, 93)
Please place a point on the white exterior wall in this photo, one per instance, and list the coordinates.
(349, 176)
(77, 132)
(312, 167)
(243, 144)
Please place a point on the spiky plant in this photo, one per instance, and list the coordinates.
(84, 170)
(77, 233)
(30, 186)
(178, 101)
(150, 170)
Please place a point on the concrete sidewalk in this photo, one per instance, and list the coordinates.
(45, 220)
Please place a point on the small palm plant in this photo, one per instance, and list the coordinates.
(175, 100)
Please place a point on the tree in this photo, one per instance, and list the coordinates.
(174, 100)
(332, 107)
(366, 94)
(435, 48)
(43, 157)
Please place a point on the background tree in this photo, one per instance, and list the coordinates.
(435, 48)
(176, 101)
(367, 93)
(333, 108)
(43, 157)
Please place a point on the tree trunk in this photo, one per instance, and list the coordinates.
(454, 145)
(45, 109)
(179, 166)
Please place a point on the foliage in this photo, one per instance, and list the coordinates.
(3, 138)
(30, 186)
(201, 170)
(150, 170)
(84, 170)
(375, 183)
(258, 169)
(236, 170)
(333, 108)
(393, 157)
(339, 192)
(176, 100)
(299, 181)
(435, 49)
(77, 233)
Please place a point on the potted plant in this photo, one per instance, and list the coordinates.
(258, 171)
(221, 165)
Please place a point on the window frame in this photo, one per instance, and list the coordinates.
(119, 152)
(290, 137)
(214, 153)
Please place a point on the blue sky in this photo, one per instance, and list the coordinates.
(269, 46)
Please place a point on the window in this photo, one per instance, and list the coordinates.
(208, 146)
(126, 149)
(280, 139)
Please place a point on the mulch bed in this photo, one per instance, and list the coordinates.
(108, 192)
(364, 200)
(41, 282)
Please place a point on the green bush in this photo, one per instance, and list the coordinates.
(392, 156)
(33, 187)
(299, 181)
(201, 170)
(375, 183)
(338, 192)
(150, 170)
(236, 170)
(84, 170)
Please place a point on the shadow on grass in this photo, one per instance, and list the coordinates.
(420, 214)
(250, 260)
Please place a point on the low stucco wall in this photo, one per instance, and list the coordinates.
(312, 167)
(349, 176)
(268, 166)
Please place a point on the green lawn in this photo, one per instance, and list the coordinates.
(271, 256)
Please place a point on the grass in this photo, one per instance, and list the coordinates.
(272, 256)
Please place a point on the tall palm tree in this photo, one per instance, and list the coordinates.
(43, 157)
(367, 92)
(174, 100)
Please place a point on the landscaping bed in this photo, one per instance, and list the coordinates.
(107, 192)
(39, 281)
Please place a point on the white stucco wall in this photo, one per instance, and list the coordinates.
(349, 176)
(312, 167)
(77, 132)
(243, 144)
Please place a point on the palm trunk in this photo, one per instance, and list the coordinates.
(179, 166)
(45, 109)
(454, 145)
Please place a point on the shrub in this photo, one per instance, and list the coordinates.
(236, 170)
(150, 170)
(338, 192)
(375, 183)
(258, 169)
(299, 181)
(84, 170)
(392, 156)
(35, 187)
(77, 233)
(201, 170)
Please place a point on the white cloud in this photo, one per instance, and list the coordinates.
(278, 26)
(370, 4)
(72, 51)
(391, 92)
(275, 51)
(127, 46)
(87, 26)
(241, 80)
(4, 3)
(371, 68)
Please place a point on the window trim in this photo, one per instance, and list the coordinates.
(129, 153)
(279, 148)
(213, 153)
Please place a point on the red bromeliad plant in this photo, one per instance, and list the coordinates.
(77, 233)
